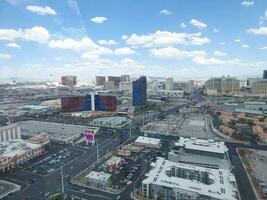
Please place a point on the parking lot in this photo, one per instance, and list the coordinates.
(196, 126)
(167, 126)
(132, 169)
(258, 163)
(53, 161)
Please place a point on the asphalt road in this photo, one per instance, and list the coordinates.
(245, 188)
(51, 183)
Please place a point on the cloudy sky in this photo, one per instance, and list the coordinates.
(171, 38)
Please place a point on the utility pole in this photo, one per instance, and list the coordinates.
(143, 120)
(134, 190)
(62, 181)
(130, 130)
(97, 150)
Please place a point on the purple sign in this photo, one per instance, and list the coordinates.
(89, 136)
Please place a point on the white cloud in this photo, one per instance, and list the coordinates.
(36, 34)
(165, 38)
(259, 31)
(91, 50)
(75, 45)
(99, 20)
(165, 12)
(264, 48)
(94, 54)
(264, 17)
(215, 30)
(174, 53)
(128, 62)
(107, 42)
(41, 10)
(245, 46)
(207, 61)
(124, 37)
(5, 56)
(219, 53)
(237, 40)
(247, 3)
(198, 24)
(90, 56)
(58, 59)
(183, 25)
(199, 41)
(124, 51)
(222, 43)
(13, 45)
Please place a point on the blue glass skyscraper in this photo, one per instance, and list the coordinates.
(139, 91)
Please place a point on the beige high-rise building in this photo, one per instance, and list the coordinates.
(259, 87)
(169, 84)
(223, 84)
(109, 85)
(187, 86)
(100, 80)
(126, 86)
(125, 78)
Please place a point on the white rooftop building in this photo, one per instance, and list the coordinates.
(100, 177)
(202, 145)
(148, 142)
(200, 152)
(172, 180)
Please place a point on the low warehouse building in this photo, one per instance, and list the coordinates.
(98, 178)
(148, 142)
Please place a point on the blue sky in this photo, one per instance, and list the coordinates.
(184, 39)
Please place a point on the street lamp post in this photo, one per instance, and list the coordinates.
(62, 180)
(130, 130)
(97, 150)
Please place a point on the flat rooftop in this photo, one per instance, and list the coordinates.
(112, 120)
(55, 130)
(7, 188)
(202, 145)
(223, 183)
(16, 147)
(100, 176)
(147, 140)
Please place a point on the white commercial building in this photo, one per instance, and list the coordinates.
(172, 180)
(148, 142)
(200, 152)
(209, 146)
(15, 152)
(98, 178)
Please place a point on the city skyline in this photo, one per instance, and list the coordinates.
(153, 38)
